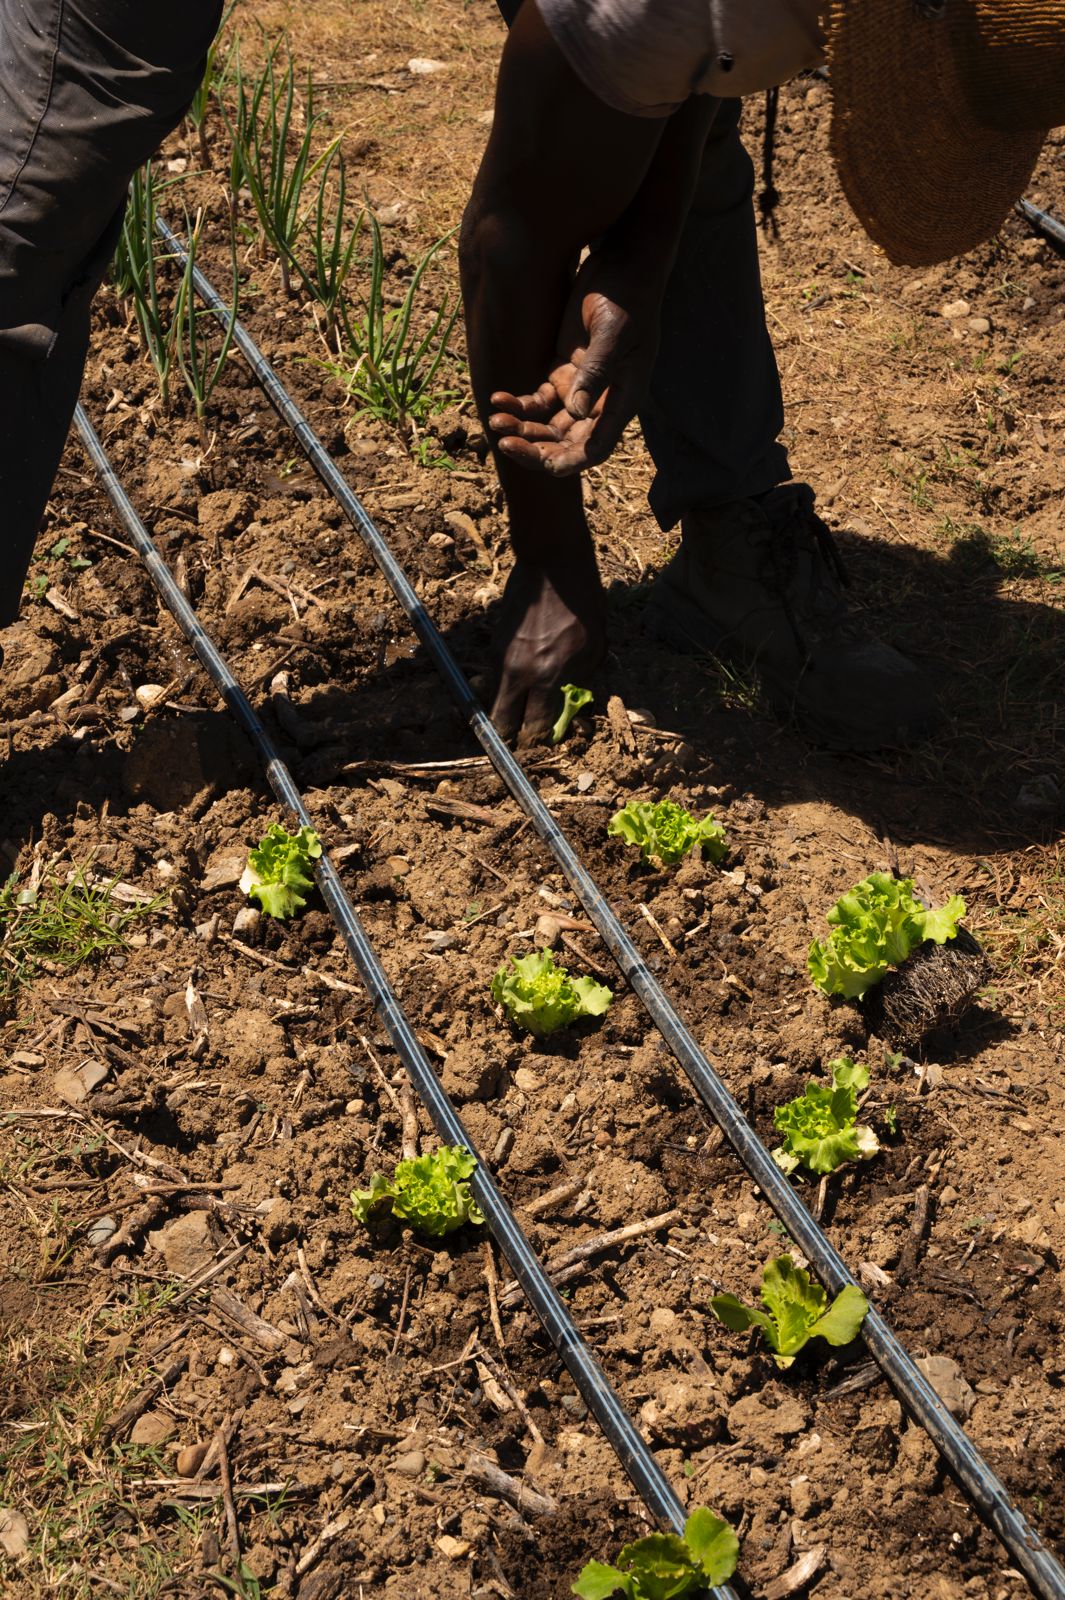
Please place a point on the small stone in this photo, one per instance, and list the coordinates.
(100, 1231)
(441, 541)
(223, 872)
(411, 1464)
(226, 1355)
(14, 1533)
(804, 1497)
(945, 1376)
(948, 1195)
(208, 931)
(978, 325)
(149, 694)
(526, 1080)
(425, 66)
(247, 925)
(585, 781)
(25, 1058)
(189, 1460)
(186, 1244)
(1039, 798)
(454, 1549)
(548, 931)
(398, 866)
(956, 308)
(153, 1428)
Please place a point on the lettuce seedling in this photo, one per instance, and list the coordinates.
(279, 869)
(666, 832)
(541, 997)
(874, 927)
(798, 1310)
(820, 1127)
(664, 1566)
(431, 1193)
(572, 701)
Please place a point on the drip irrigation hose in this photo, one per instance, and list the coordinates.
(591, 1381)
(1042, 221)
(979, 1482)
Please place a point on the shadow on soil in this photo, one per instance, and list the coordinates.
(992, 780)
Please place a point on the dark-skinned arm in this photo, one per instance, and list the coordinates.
(561, 169)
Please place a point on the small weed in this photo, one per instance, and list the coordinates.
(61, 925)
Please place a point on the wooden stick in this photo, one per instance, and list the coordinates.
(572, 1259)
(123, 1420)
(499, 1483)
(492, 1280)
(645, 911)
(506, 1382)
(227, 1495)
(402, 1314)
(409, 1113)
(555, 1197)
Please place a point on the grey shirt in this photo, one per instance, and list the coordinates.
(646, 57)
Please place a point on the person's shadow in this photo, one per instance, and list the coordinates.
(994, 779)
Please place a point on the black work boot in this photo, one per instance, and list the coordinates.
(760, 581)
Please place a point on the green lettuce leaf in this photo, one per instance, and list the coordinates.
(665, 832)
(820, 1129)
(798, 1311)
(541, 997)
(876, 926)
(664, 1566)
(279, 870)
(431, 1193)
(573, 699)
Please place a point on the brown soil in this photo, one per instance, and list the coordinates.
(938, 450)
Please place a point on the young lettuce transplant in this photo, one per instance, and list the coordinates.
(279, 870)
(663, 1566)
(572, 701)
(796, 1311)
(820, 1127)
(874, 927)
(432, 1192)
(541, 997)
(666, 832)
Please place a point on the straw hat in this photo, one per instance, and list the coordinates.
(940, 109)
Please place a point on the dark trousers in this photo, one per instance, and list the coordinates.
(88, 89)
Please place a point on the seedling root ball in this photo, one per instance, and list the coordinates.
(932, 990)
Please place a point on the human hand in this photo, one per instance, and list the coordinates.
(552, 631)
(607, 347)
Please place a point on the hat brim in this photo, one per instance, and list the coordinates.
(925, 179)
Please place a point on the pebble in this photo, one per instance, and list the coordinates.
(189, 1460)
(978, 325)
(411, 1463)
(247, 924)
(956, 308)
(527, 1080)
(398, 867)
(100, 1231)
(585, 781)
(149, 694)
(152, 1428)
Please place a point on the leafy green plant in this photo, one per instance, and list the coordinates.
(820, 1127)
(796, 1311)
(541, 997)
(874, 927)
(393, 352)
(279, 869)
(432, 1192)
(573, 699)
(664, 1566)
(665, 832)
